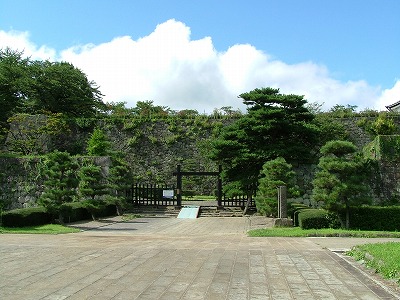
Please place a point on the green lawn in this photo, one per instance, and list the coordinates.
(326, 232)
(42, 229)
(384, 258)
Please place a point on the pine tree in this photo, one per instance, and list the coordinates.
(119, 180)
(274, 173)
(60, 182)
(98, 145)
(341, 179)
(92, 185)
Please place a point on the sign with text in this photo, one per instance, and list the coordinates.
(168, 194)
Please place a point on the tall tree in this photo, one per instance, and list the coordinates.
(120, 180)
(15, 83)
(60, 182)
(276, 125)
(62, 88)
(341, 179)
(33, 87)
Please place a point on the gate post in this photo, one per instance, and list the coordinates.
(178, 185)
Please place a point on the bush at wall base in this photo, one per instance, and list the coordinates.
(23, 217)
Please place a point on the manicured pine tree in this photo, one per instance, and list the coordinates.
(274, 173)
(60, 182)
(275, 125)
(341, 181)
(119, 180)
(92, 186)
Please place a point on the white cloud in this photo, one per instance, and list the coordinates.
(18, 40)
(169, 68)
(389, 96)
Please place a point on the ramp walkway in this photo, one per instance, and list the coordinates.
(189, 212)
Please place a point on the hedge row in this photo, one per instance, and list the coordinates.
(386, 218)
(34, 216)
(375, 218)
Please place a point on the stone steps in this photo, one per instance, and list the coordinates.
(149, 211)
(205, 211)
(213, 211)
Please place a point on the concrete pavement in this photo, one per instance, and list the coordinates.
(168, 258)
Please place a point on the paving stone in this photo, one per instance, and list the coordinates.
(167, 258)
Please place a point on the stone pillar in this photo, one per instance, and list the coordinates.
(178, 185)
(282, 202)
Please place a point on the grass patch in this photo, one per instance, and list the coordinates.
(384, 258)
(326, 232)
(41, 229)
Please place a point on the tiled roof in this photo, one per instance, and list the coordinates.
(394, 105)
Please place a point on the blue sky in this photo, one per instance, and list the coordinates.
(202, 54)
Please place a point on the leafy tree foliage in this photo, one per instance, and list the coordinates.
(60, 181)
(15, 83)
(330, 129)
(33, 87)
(98, 145)
(341, 111)
(28, 135)
(147, 109)
(62, 88)
(276, 125)
(274, 173)
(382, 125)
(341, 179)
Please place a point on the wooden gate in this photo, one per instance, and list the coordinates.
(152, 194)
(179, 173)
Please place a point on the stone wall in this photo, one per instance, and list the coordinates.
(154, 149)
(21, 180)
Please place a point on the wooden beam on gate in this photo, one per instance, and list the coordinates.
(180, 173)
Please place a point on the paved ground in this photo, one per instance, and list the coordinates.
(168, 258)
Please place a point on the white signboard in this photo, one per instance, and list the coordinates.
(168, 194)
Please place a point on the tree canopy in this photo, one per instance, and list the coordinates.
(341, 179)
(32, 86)
(276, 125)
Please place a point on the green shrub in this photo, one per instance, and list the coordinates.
(107, 210)
(293, 209)
(377, 218)
(26, 217)
(313, 218)
(78, 211)
(74, 211)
